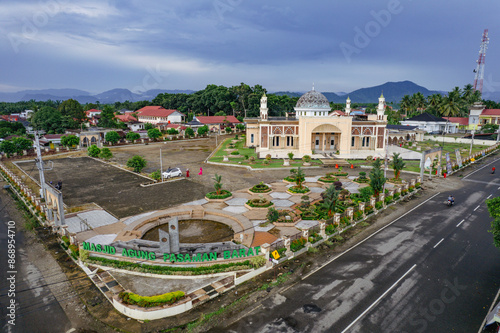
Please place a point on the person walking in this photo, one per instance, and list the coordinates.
(187, 173)
(493, 170)
(201, 171)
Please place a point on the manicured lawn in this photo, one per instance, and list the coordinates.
(245, 152)
(429, 144)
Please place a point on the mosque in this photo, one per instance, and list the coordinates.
(315, 129)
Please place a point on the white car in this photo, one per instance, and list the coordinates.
(172, 172)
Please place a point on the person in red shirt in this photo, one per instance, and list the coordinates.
(493, 170)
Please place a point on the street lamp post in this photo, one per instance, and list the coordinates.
(471, 142)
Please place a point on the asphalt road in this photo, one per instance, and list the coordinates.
(434, 269)
(37, 309)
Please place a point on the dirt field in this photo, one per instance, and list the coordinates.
(86, 180)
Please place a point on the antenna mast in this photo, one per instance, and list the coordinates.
(478, 80)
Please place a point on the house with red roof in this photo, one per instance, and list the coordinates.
(462, 122)
(489, 116)
(158, 114)
(217, 123)
(132, 123)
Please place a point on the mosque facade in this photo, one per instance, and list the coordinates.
(316, 130)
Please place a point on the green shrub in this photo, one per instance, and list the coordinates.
(312, 250)
(258, 261)
(388, 199)
(330, 229)
(411, 188)
(418, 185)
(235, 152)
(74, 250)
(368, 209)
(223, 195)
(65, 239)
(151, 301)
(357, 215)
(379, 205)
(260, 188)
(298, 244)
(396, 196)
(296, 189)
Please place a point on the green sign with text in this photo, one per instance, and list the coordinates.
(172, 257)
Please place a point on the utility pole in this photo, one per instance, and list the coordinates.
(39, 164)
(471, 142)
(161, 166)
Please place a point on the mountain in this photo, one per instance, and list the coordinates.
(107, 97)
(393, 92)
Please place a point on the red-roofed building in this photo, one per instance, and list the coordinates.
(92, 112)
(218, 123)
(132, 123)
(179, 128)
(10, 118)
(158, 114)
(337, 113)
(463, 122)
(489, 116)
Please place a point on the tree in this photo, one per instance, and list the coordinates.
(220, 113)
(137, 163)
(405, 104)
(397, 164)
(241, 127)
(132, 136)
(172, 131)
(489, 128)
(330, 197)
(156, 175)
(493, 205)
(7, 147)
(112, 136)
(202, 130)
(105, 153)
(377, 179)
(93, 151)
(148, 126)
(154, 133)
(228, 130)
(72, 113)
(107, 119)
(217, 184)
(70, 140)
(21, 144)
(300, 177)
(189, 132)
(48, 119)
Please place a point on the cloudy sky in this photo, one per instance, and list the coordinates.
(283, 45)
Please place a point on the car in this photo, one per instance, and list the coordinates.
(172, 172)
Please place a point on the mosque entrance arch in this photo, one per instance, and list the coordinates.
(325, 138)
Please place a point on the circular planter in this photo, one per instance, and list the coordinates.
(293, 193)
(258, 208)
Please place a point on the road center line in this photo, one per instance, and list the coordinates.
(489, 196)
(367, 238)
(378, 299)
(476, 208)
(442, 239)
(460, 223)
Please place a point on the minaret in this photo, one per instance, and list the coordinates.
(381, 107)
(263, 107)
(348, 106)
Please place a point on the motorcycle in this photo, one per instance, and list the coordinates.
(449, 203)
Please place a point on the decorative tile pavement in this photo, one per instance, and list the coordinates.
(282, 203)
(280, 195)
(196, 202)
(236, 201)
(312, 179)
(306, 224)
(236, 209)
(317, 189)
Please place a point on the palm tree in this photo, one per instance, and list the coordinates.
(330, 197)
(450, 106)
(217, 185)
(397, 164)
(300, 177)
(433, 101)
(405, 104)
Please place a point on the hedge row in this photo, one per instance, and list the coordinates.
(151, 301)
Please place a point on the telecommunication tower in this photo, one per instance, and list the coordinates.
(478, 80)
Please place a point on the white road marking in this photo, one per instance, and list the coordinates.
(480, 169)
(367, 238)
(476, 208)
(442, 239)
(460, 223)
(378, 299)
(489, 196)
(71, 330)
